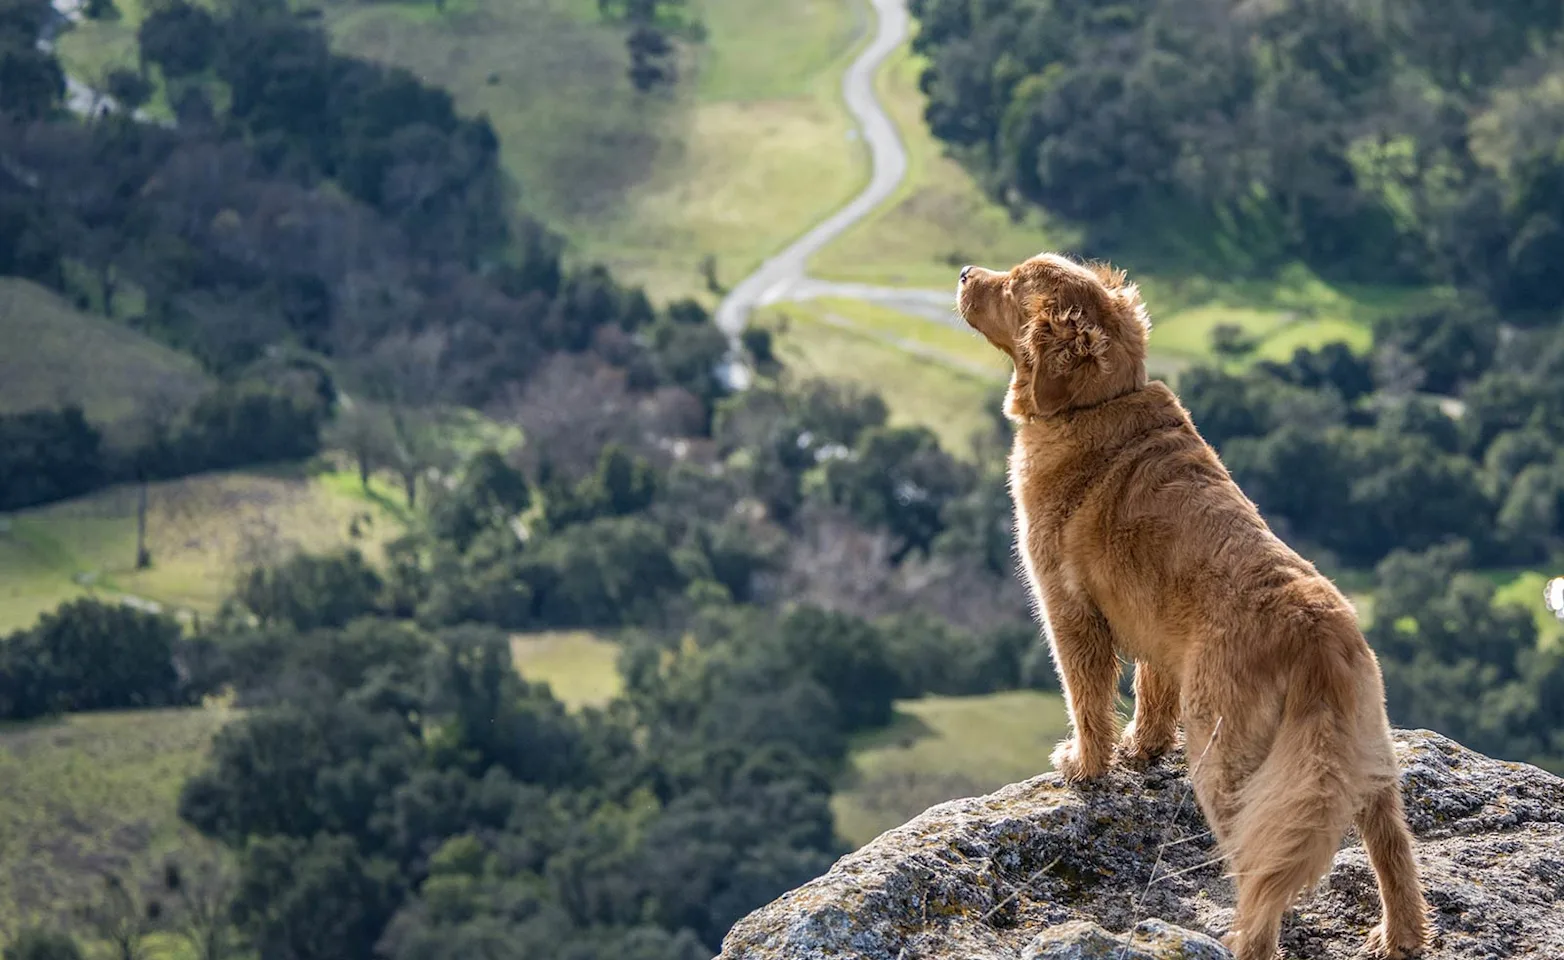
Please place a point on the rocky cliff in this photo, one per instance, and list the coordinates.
(1042, 871)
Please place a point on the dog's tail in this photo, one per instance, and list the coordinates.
(1295, 808)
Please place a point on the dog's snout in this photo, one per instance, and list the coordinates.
(965, 272)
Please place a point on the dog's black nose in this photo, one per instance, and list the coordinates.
(964, 272)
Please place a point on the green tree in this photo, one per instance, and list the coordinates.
(1223, 405)
(848, 658)
(180, 38)
(38, 943)
(1457, 661)
(48, 455)
(309, 591)
(622, 484)
(498, 718)
(1453, 345)
(898, 478)
(489, 494)
(121, 917)
(129, 88)
(90, 655)
(31, 81)
(314, 899)
(603, 572)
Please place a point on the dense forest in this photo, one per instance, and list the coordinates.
(401, 792)
(333, 242)
(1410, 144)
(339, 248)
(1380, 142)
(311, 225)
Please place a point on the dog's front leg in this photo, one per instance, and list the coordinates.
(1155, 726)
(1082, 645)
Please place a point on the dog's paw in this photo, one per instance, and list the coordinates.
(1381, 945)
(1137, 751)
(1069, 762)
(1242, 949)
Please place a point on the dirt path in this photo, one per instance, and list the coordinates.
(785, 276)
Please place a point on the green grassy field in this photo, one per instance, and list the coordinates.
(88, 794)
(957, 346)
(580, 668)
(750, 150)
(1294, 308)
(927, 374)
(941, 748)
(91, 49)
(72, 357)
(201, 532)
(937, 749)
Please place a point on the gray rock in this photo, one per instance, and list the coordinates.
(1152, 940)
(1039, 866)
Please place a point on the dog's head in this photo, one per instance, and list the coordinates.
(1076, 333)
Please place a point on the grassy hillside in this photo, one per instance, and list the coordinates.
(751, 149)
(929, 375)
(91, 49)
(55, 355)
(201, 532)
(942, 219)
(88, 794)
(940, 748)
(749, 153)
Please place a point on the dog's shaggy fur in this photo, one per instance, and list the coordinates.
(1136, 541)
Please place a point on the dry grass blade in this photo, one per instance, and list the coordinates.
(1129, 936)
(1017, 891)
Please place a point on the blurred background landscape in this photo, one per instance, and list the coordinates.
(392, 563)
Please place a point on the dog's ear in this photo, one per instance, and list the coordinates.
(1063, 336)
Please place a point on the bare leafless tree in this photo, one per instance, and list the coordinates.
(363, 431)
(200, 886)
(121, 917)
(837, 564)
(403, 375)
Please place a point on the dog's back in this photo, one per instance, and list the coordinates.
(1139, 510)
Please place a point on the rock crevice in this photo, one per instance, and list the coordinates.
(1042, 870)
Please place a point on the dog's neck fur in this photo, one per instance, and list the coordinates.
(1082, 401)
(1086, 423)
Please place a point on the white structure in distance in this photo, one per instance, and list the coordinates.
(1553, 596)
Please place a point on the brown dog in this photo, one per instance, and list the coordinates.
(1137, 541)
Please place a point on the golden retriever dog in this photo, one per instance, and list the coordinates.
(1136, 541)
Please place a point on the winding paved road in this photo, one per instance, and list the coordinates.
(785, 276)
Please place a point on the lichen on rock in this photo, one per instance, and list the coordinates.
(1151, 940)
(1039, 866)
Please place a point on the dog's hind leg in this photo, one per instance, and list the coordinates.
(1403, 927)
(1292, 813)
(1215, 785)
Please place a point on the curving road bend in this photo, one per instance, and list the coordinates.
(785, 276)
